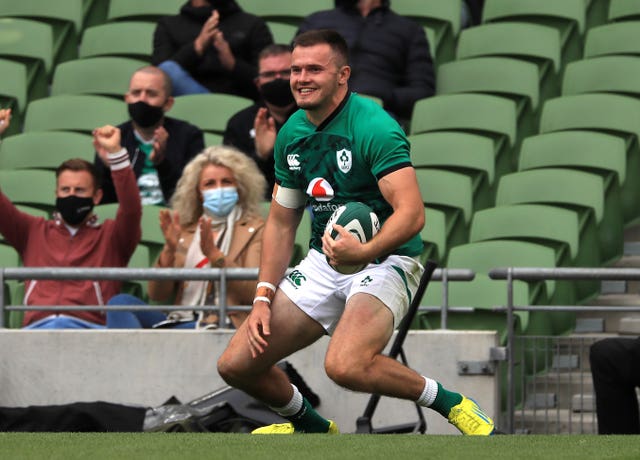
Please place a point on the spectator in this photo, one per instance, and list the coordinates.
(215, 222)
(5, 120)
(73, 238)
(211, 46)
(159, 147)
(389, 53)
(615, 368)
(253, 130)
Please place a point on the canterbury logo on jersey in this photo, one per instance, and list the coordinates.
(320, 189)
(293, 162)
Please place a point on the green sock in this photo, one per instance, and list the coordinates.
(445, 400)
(307, 420)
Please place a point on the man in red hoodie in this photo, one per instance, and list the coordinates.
(74, 238)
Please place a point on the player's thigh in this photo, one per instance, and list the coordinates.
(363, 331)
(291, 330)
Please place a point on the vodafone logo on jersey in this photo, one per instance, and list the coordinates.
(320, 189)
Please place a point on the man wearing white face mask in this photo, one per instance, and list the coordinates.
(215, 222)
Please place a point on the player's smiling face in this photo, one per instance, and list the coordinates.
(317, 82)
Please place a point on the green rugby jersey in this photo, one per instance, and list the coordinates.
(342, 160)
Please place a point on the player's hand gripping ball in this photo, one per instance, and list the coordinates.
(360, 221)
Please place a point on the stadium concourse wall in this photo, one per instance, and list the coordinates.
(146, 367)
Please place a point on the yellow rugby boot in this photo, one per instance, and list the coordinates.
(470, 419)
(287, 428)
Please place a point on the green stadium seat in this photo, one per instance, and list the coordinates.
(466, 153)
(599, 153)
(212, 139)
(567, 16)
(66, 19)
(575, 243)
(14, 92)
(101, 76)
(578, 190)
(74, 112)
(606, 113)
(32, 187)
(210, 112)
(530, 42)
(130, 39)
(285, 11)
(434, 236)
(95, 12)
(30, 42)
(142, 10)
(491, 116)
(597, 12)
(449, 191)
(604, 74)
(506, 77)
(624, 10)
(38, 212)
(44, 149)
(617, 38)
(282, 32)
(440, 16)
(14, 290)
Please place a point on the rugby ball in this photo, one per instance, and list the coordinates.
(360, 221)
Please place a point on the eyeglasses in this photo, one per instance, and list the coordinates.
(276, 74)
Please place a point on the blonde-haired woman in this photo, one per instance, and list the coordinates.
(215, 221)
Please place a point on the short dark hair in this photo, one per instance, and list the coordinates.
(275, 49)
(78, 164)
(325, 36)
(166, 80)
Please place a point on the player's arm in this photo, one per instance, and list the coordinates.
(400, 189)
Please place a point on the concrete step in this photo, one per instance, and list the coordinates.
(561, 385)
(555, 421)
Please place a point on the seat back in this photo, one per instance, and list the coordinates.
(615, 38)
(284, 10)
(210, 112)
(447, 190)
(29, 41)
(142, 10)
(132, 39)
(623, 10)
(44, 150)
(74, 112)
(33, 187)
(102, 76)
(607, 74)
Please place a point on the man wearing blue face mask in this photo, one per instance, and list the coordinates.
(159, 146)
(253, 130)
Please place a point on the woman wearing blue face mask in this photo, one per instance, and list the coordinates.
(215, 221)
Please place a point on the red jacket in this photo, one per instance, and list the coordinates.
(48, 243)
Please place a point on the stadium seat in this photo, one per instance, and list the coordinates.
(599, 153)
(142, 10)
(212, 139)
(483, 256)
(14, 290)
(530, 42)
(617, 38)
(434, 236)
(505, 77)
(282, 32)
(130, 39)
(575, 244)
(38, 212)
(14, 92)
(101, 76)
(604, 74)
(44, 150)
(466, 153)
(75, 112)
(65, 18)
(582, 191)
(597, 12)
(491, 116)
(95, 12)
(567, 16)
(285, 10)
(32, 187)
(440, 16)
(210, 112)
(30, 42)
(624, 10)
(607, 113)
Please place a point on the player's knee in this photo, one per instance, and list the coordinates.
(229, 372)
(345, 373)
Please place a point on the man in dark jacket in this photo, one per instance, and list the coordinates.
(389, 54)
(253, 130)
(159, 147)
(211, 46)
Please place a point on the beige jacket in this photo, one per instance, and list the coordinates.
(245, 251)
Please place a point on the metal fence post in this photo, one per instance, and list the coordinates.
(511, 397)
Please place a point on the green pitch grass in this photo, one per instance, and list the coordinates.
(310, 447)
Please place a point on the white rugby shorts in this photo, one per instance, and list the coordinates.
(321, 292)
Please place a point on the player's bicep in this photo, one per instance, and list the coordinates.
(400, 189)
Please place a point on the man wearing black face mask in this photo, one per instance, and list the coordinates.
(211, 46)
(159, 147)
(253, 130)
(74, 237)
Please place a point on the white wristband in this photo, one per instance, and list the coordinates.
(263, 299)
(267, 285)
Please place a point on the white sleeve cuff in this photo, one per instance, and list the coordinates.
(119, 160)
